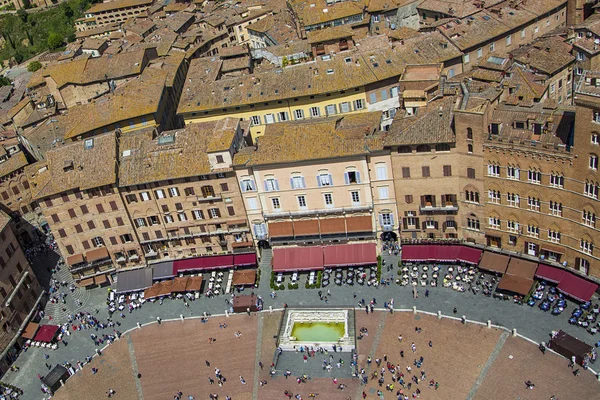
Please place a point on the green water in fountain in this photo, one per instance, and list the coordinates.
(318, 331)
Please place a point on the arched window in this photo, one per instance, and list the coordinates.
(470, 148)
(423, 148)
(404, 149)
(442, 147)
(469, 133)
(594, 161)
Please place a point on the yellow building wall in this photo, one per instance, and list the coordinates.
(288, 105)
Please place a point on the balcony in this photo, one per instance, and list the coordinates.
(150, 253)
(208, 198)
(121, 259)
(433, 208)
(315, 212)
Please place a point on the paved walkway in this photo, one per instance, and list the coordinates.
(530, 322)
(487, 366)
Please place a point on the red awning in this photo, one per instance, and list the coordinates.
(297, 258)
(46, 333)
(350, 255)
(444, 253)
(576, 287)
(244, 259)
(203, 263)
(550, 274)
(415, 253)
(469, 255)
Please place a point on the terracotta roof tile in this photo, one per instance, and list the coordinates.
(82, 164)
(144, 160)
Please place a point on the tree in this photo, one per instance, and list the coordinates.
(4, 81)
(23, 15)
(55, 40)
(34, 66)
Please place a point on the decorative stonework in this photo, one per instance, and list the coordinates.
(289, 343)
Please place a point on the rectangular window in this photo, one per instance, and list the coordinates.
(302, 202)
(425, 172)
(299, 114)
(269, 119)
(91, 225)
(383, 193)
(78, 228)
(345, 107)
(381, 172)
(140, 222)
(119, 221)
(331, 109)
(84, 209)
(513, 199)
(355, 198)
(315, 112)
(494, 223)
(160, 194)
(297, 182)
(271, 185)
(168, 219)
(513, 172)
(494, 196)
(324, 180)
(113, 205)
(230, 211)
(471, 173)
(534, 176)
(359, 104)
(72, 213)
(328, 197)
(283, 116)
(214, 212)
(100, 208)
(466, 59)
(372, 98)
(554, 236)
(508, 40)
(492, 47)
(493, 170)
(533, 203)
(479, 52)
(351, 177)
(557, 181)
(447, 170)
(248, 185)
(173, 192)
(555, 208)
(106, 224)
(384, 94)
(276, 204)
(255, 120)
(252, 203)
(181, 216)
(131, 198)
(533, 231)
(126, 238)
(153, 220)
(406, 172)
(197, 214)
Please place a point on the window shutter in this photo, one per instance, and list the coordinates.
(253, 185)
(292, 183)
(276, 184)
(266, 187)
(380, 219)
(218, 213)
(230, 210)
(330, 180)
(243, 186)
(346, 178)
(85, 244)
(303, 182)
(357, 177)
(145, 236)
(405, 223)
(113, 240)
(391, 219)
(319, 181)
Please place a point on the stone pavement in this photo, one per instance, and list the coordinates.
(530, 322)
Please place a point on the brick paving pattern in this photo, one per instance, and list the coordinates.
(114, 372)
(172, 356)
(549, 373)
